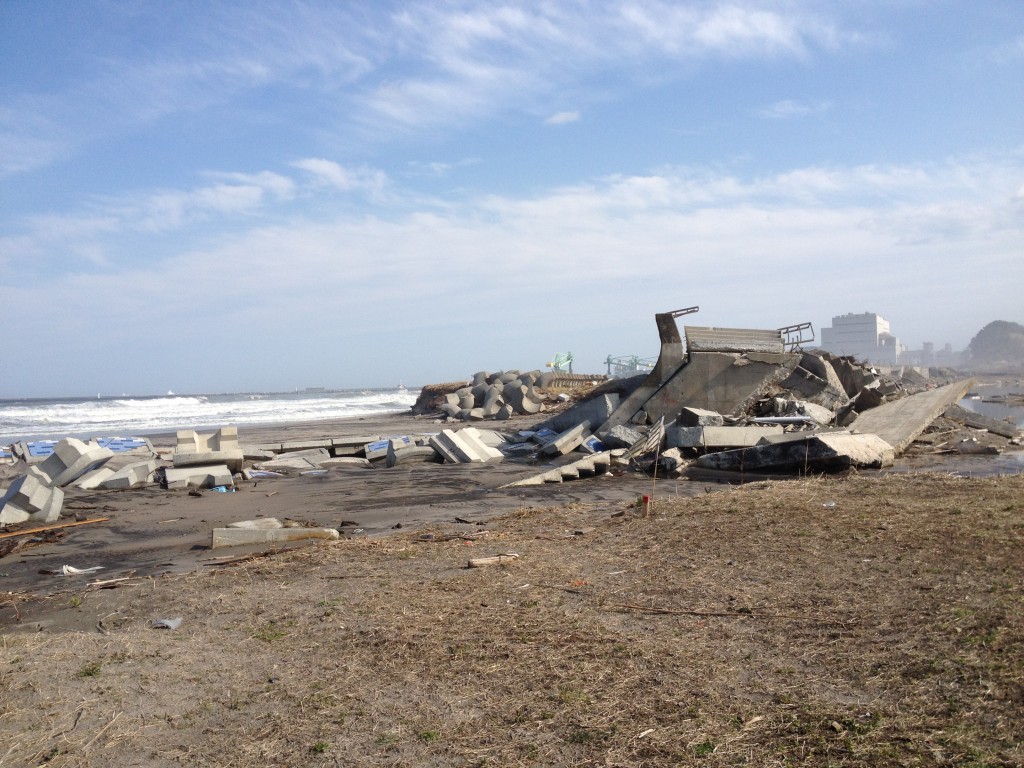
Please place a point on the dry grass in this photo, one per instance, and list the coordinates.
(750, 627)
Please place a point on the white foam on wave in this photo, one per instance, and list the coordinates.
(23, 420)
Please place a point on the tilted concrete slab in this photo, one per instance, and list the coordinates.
(237, 537)
(900, 421)
(980, 421)
(597, 410)
(830, 452)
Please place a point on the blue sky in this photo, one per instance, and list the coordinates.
(267, 195)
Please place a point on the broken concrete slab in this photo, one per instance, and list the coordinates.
(979, 421)
(237, 537)
(220, 447)
(621, 436)
(829, 452)
(900, 421)
(207, 476)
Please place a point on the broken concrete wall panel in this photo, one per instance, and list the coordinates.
(717, 381)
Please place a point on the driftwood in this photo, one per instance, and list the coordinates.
(482, 562)
(53, 527)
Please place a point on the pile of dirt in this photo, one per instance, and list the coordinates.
(849, 622)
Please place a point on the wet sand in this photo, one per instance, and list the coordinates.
(151, 531)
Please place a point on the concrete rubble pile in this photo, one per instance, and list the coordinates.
(37, 496)
(498, 396)
(740, 400)
(728, 400)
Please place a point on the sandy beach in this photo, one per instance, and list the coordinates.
(151, 531)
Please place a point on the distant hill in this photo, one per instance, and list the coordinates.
(998, 342)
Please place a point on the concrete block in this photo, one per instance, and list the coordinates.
(29, 500)
(684, 437)
(220, 447)
(237, 537)
(621, 436)
(71, 458)
(699, 417)
(567, 441)
(138, 473)
(90, 481)
(379, 449)
(208, 476)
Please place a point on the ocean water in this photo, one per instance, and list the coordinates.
(35, 419)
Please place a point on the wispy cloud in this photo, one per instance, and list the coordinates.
(562, 118)
(787, 109)
(365, 179)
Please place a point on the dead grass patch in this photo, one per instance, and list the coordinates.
(751, 627)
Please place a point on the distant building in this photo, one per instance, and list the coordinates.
(865, 336)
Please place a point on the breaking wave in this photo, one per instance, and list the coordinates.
(24, 419)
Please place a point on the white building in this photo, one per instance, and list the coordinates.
(865, 336)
